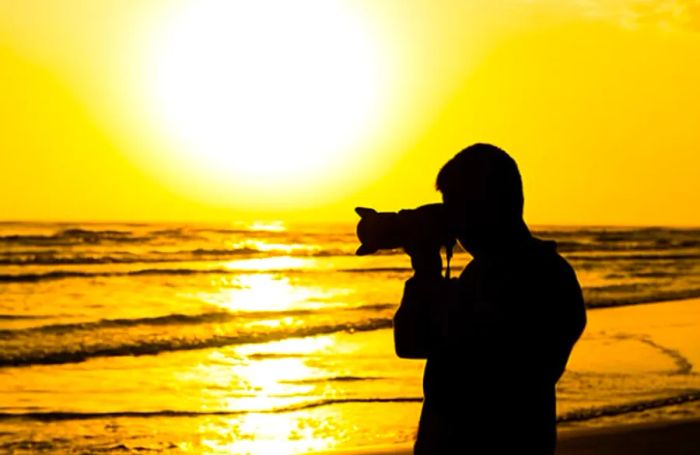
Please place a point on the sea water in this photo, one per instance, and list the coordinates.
(272, 337)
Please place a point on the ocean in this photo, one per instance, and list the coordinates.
(275, 338)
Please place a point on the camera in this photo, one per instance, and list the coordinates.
(425, 225)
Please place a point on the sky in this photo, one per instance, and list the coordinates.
(209, 110)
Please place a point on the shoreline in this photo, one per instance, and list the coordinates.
(659, 339)
(670, 437)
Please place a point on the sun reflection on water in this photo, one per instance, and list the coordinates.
(266, 384)
(280, 263)
(267, 226)
(295, 433)
(269, 396)
(261, 292)
(266, 246)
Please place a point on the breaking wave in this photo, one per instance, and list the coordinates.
(573, 416)
(173, 319)
(81, 353)
(627, 408)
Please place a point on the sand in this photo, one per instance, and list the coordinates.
(667, 438)
(671, 328)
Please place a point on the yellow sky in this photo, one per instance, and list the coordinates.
(109, 108)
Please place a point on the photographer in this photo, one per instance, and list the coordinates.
(496, 339)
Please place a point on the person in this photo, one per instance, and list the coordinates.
(496, 339)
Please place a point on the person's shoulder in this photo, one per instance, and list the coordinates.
(559, 273)
(543, 249)
(543, 255)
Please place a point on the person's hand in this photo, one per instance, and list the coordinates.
(421, 242)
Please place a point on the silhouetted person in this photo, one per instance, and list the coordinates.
(496, 339)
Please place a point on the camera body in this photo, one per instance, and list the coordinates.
(425, 225)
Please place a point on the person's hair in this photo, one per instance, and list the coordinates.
(497, 171)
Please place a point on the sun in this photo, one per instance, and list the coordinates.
(275, 99)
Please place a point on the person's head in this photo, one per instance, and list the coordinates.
(482, 191)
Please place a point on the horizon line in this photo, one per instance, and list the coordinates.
(327, 221)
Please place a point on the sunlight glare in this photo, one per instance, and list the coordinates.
(263, 292)
(266, 96)
(275, 263)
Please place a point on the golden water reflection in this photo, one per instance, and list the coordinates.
(270, 434)
(274, 263)
(268, 384)
(267, 246)
(260, 292)
(268, 226)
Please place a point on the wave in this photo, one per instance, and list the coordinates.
(58, 416)
(44, 259)
(74, 236)
(23, 258)
(152, 347)
(569, 239)
(64, 274)
(594, 299)
(573, 416)
(628, 408)
(575, 247)
(17, 317)
(633, 257)
(325, 380)
(174, 319)
(81, 236)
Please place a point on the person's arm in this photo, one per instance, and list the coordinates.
(569, 321)
(418, 317)
(573, 318)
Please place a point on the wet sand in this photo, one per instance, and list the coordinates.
(671, 329)
(668, 438)
(679, 437)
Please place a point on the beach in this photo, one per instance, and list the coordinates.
(208, 207)
(654, 427)
(272, 339)
(669, 437)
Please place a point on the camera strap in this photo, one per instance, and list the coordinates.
(448, 254)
